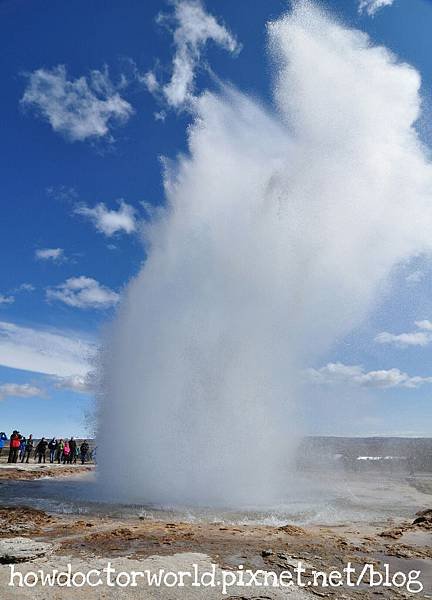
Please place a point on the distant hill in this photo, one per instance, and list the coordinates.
(410, 454)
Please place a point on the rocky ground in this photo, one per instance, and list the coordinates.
(33, 470)
(32, 539)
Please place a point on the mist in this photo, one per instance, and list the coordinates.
(281, 227)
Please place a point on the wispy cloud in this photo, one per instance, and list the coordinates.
(4, 299)
(355, 375)
(110, 221)
(53, 254)
(83, 292)
(425, 324)
(150, 81)
(372, 6)
(63, 193)
(9, 298)
(421, 337)
(25, 287)
(75, 383)
(160, 116)
(192, 28)
(20, 390)
(79, 109)
(58, 353)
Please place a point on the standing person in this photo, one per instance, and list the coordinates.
(84, 448)
(28, 449)
(72, 447)
(22, 447)
(52, 448)
(41, 450)
(59, 451)
(14, 444)
(3, 439)
(66, 452)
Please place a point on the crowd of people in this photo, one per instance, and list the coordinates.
(21, 449)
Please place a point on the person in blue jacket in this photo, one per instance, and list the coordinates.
(22, 447)
(3, 439)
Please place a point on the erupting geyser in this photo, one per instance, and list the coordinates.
(279, 229)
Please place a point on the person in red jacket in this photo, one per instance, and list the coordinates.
(14, 444)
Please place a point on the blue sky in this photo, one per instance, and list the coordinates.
(74, 195)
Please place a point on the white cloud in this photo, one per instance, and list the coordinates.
(423, 337)
(19, 390)
(109, 221)
(160, 116)
(340, 374)
(58, 353)
(415, 338)
(79, 109)
(54, 254)
(25, 287)
(74, 383)
(83, 292)
(425, 324)
(6, 299)
(194, 27)
(149, 79)
(372, 6)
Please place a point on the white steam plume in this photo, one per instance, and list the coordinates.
(280, 229)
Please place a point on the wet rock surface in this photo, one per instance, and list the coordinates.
(20, 549)
(422, 521)
(424, 518)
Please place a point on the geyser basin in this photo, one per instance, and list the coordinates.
(325, 498)
(280, 228)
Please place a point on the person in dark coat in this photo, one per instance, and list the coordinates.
(52, 449)
(84, 448)
(28, 449)
(72, 448)
(41, 449)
